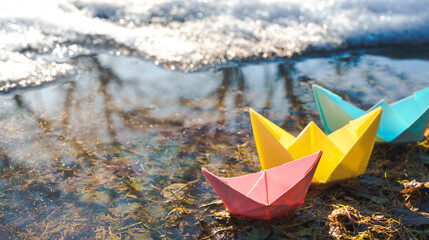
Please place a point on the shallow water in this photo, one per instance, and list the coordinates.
(94, 153)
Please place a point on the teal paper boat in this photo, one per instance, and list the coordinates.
(401, 122)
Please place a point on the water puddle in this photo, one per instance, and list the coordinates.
(115, 150)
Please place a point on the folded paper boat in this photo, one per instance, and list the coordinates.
(267, 194)
(401, 122)
(345, 152)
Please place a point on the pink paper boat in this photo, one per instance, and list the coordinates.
(267, 194)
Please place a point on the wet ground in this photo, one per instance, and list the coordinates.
(114, 150)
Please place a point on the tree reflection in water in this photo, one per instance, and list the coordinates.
(99, 155)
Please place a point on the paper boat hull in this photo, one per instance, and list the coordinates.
(346, 151)
(294, 178)
(402, 122)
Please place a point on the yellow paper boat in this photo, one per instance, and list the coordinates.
(345, 152)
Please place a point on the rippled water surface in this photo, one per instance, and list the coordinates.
(115, 149)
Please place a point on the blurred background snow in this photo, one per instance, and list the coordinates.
(40, 39)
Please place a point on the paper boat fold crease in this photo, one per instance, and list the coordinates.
(401, 122)
(269, 193)
(346, 152)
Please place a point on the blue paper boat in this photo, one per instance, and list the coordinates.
(401, 122)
